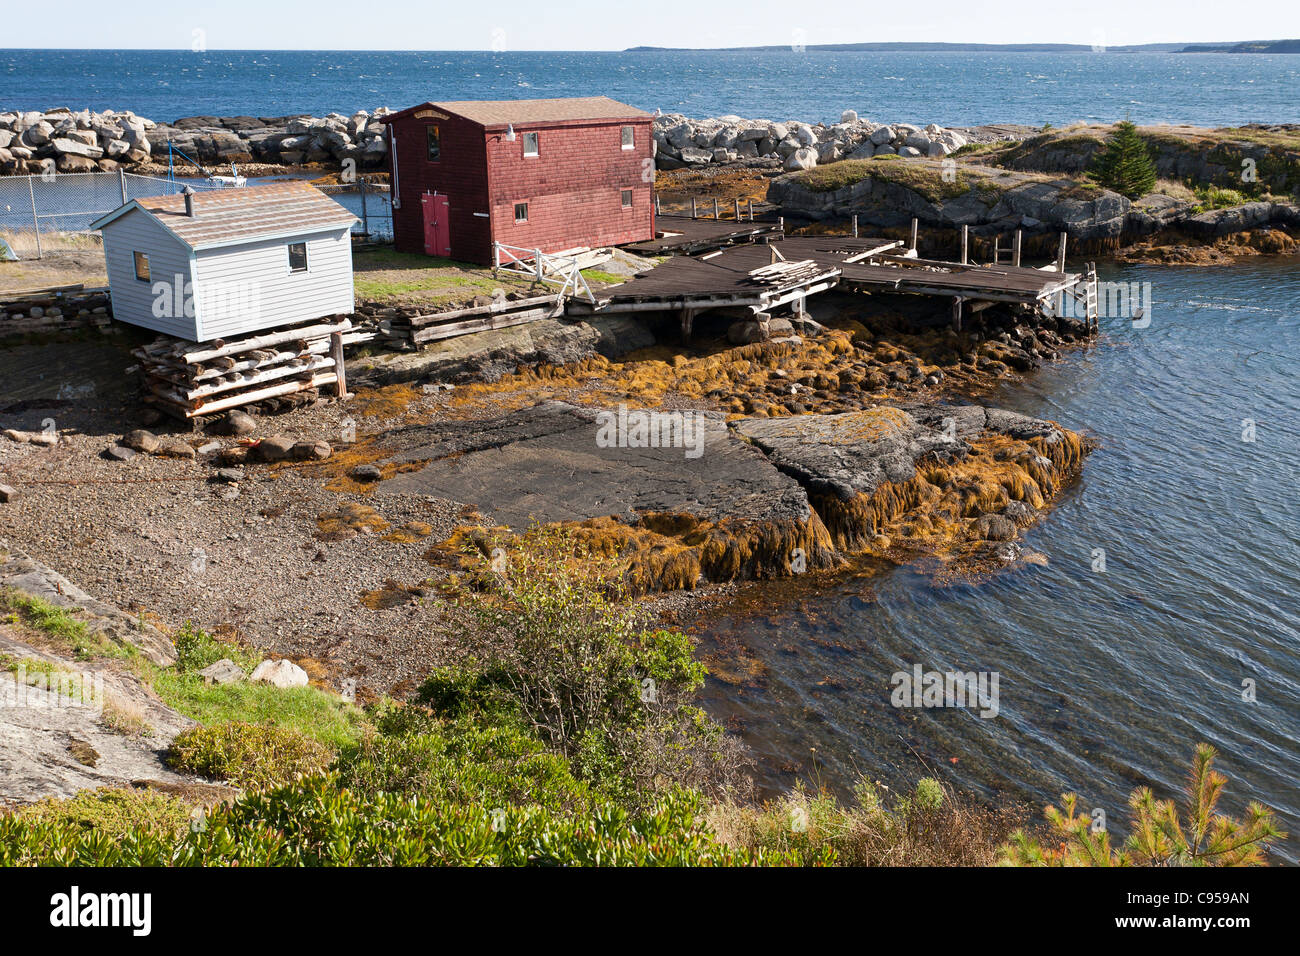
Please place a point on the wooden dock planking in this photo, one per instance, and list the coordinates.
(682, 235)
(741, 275)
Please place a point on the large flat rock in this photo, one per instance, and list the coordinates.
(550, 463)
(856, 452)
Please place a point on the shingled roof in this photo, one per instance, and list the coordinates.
(501, 112)
(224, 217)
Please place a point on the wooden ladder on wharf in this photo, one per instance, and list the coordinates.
(1090, 296)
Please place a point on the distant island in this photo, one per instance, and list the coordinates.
(1250, 46)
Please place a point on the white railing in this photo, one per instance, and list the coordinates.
(543, 267)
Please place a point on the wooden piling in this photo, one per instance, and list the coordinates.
(1060, 254)
(694, 211)
(855, 225)
(914, 227)
(1015, 251)
(965, 245)
(737, 209)
(715, 210)
(340, 371)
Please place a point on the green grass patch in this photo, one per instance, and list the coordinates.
(604, 278)
(923, 178)
(319, 715)
(60, 625)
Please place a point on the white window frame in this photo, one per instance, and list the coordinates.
(306, 258)
(627, 137)
(631, 198)
(519, 221)
(537, 145)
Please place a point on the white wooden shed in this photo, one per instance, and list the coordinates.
(222, 263)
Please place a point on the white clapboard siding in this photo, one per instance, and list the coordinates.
(151, 304)
(249, 287)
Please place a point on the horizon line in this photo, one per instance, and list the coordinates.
(646, 47)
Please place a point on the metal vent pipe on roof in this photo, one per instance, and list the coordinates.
(188, 193)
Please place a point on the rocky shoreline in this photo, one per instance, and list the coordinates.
(992, 178)
(68, 141)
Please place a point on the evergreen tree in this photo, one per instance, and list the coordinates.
(1125, 164)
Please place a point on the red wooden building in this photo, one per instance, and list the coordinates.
(535, 174)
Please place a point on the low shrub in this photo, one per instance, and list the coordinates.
(558, 653)
(315, 823)
(197, 649)
(252, 756)
(413, 753)
(110, 812)
(932, 826)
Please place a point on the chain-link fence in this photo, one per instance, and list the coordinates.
(369, 202)
(45, 215)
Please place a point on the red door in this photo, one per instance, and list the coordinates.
(437, 224)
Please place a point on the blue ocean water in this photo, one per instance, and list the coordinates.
(1109, 673)
(957, 89)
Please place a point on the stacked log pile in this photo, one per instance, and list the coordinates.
(408, 328)
(277, 368)
(54, 310)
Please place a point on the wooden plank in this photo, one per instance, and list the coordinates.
(416, 321)
(481, 324)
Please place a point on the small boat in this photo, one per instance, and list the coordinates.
(227, 182)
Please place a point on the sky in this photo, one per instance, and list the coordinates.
(611, 25)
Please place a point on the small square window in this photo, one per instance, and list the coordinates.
(433, 143)
(530, 144)
(297, 257)
(141, 266)
(629, 138)
(521, 212)
(627, 199)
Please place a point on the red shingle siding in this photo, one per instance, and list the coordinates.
(573, 187)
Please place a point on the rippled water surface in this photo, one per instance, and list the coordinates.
(954, 89)
(1107, 679)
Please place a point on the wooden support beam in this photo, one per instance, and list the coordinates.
(694, 211)
(956, 313)
(997, 250)
(914, 228)
(688, 323)
(751, 209)
(965, 244)
(1060, 254)
(715, 210)
(855, 225)
(737, 209)
(1015, 250)
(340, 372)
